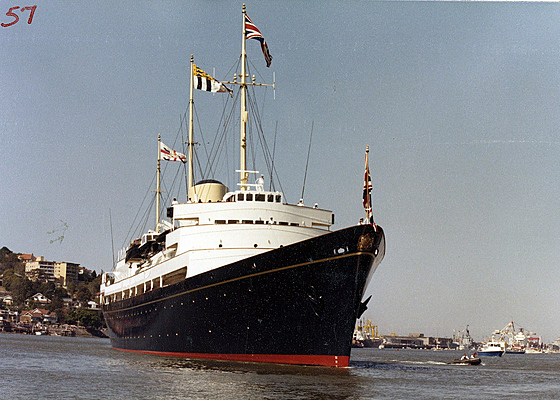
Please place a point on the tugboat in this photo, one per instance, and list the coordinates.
(241, 274)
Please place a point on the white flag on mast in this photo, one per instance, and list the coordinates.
(168, 154)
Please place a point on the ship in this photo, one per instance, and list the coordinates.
(241, 275)
(463, 340)
(366, 334)
(515, 339)
(492, 347)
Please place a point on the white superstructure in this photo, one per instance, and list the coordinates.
(206, 235)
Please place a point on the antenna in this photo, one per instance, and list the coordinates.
(307, 163)
(112, 243)
(273, 153)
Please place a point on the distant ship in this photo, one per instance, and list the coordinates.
(516, 341)
(366, 335)
(241, 275)
(463, 339)
(492, 348)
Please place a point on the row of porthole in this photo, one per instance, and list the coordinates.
(158, 336)
(155, 309)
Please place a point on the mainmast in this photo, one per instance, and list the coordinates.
(157, 182)
(244, 114)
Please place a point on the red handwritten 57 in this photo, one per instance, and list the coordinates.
(10, 13)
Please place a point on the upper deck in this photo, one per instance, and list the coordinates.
(250, 207)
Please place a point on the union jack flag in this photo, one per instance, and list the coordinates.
(252, 32)
(367, 191)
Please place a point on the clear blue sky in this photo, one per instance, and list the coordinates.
(459, 102)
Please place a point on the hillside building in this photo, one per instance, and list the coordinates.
(52, 271)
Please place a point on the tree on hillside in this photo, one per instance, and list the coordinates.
(86, 318)
(9, 260)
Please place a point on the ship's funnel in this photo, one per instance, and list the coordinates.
(207, 191)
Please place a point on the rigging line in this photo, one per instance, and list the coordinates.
(261, 77)
(185, 170)
(174, 185)
(271, 184)
(307, 163)
(146, 217)
(220, 137)
(266, 150)
(262, 138)
(112, 241)
(199, 129)
(128, 236)
(166, 165)
(211, 164)
(225, 124)
(211, 155)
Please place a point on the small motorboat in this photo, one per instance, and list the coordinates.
(466, 361)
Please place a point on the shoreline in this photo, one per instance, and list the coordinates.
(55, 330)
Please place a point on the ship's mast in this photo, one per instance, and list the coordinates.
(157, 182)
(190, 182)
(244, 115)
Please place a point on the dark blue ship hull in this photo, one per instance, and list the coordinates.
(297, 304)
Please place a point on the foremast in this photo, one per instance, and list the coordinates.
(244, 174)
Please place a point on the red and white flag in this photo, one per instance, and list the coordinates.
(168, 154)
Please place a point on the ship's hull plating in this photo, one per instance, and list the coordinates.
(297, 305)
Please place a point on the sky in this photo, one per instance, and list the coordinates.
(458, 102)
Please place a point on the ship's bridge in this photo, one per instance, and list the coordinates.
(250, 207)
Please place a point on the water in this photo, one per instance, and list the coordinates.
(50, 367)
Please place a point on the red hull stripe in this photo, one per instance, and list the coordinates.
(326, 361)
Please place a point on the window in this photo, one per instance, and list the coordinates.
(233, 221)
(220, 221)
(240, 197)
(259, 197)
(249, 196)
(270, 198)
(247, 221)
(279, 198)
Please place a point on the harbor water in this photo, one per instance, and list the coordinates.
(54, 367)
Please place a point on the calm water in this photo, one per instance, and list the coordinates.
(48, 367)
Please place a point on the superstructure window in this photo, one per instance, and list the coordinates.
(220, 221)
(240, 197)
(249, 197)
(247, 221)
(270, 198)
(233, 221)
(260, 197)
